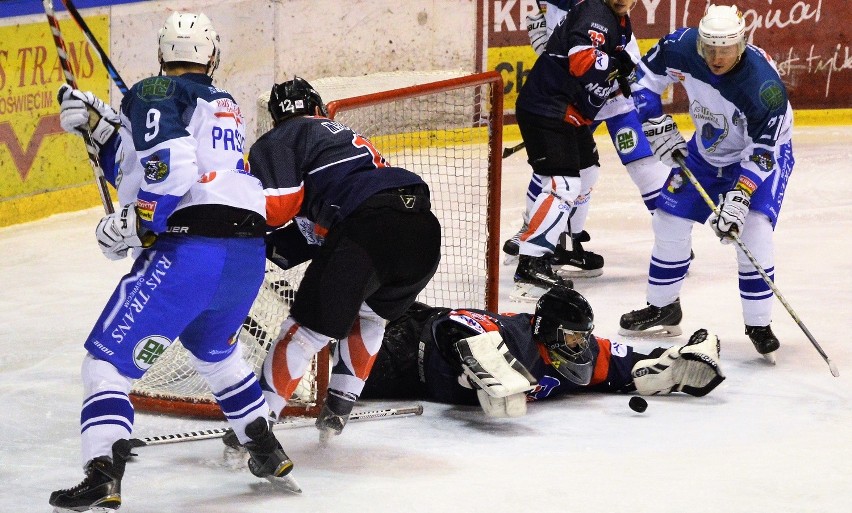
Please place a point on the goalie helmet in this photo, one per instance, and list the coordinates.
(722, 25)
(188, 37)
(294, 98)
(563, 323)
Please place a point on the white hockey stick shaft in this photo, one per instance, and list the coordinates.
(759, 268)
(294, 422)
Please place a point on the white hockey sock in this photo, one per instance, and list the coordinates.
(236, 389)
(755, 294)
(649, 175)
(107, 414)
(669, 258)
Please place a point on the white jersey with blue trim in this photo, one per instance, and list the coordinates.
(182, 145)
(742, 117)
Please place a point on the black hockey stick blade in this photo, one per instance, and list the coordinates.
(513, 149)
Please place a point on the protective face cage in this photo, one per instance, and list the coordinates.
(561, 315)
(294, 98)
(573, 359)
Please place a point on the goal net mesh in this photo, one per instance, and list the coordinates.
(444, 126)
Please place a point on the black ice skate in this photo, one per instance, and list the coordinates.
(334, 415)
(533, 277)
(512, 246)
(267, 457)
(652, 321)
(577, 263)
(764, 341)
(100, 491)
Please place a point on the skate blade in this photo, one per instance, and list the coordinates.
(325, 435)
(285, 483)
(568, 271)
(527, 292)
(657, 331)
(770, 358)
(96, 509)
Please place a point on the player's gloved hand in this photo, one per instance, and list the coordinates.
(537, 29)
(665, 139)
(646, 102)
(120, 231)
(733, 209)
(78, 110)
(573, 116)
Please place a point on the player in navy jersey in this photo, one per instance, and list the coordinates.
(625, 129)
(565, 89)
(367, 228)
(741, 151)
(195, 218)
(503, 361)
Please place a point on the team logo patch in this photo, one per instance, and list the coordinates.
(618, 349)
(546, 386)
(155, 89)
(675, 183)
(771, 95)
(626, 140)
(156, 166)
(147, 350)
(711, 127)
(764, 160)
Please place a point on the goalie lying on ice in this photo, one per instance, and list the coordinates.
(501, 362)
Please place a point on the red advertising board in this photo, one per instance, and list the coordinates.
(808, 39)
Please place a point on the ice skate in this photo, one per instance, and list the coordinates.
(533, 277)
(577, 263)
(764, 341)
(100, 491)
(512, 246)
(267, 458)
(333, 417)
(652, 321)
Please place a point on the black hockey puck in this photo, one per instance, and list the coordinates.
(638, 404)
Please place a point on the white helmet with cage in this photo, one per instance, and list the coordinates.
(722, 25)
(189, 37)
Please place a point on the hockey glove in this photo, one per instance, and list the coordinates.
(692, 369)
(733, 208)
(664, 138)
(79, 110)
(575, 117)
(120, 231)
(625, 66)
(537, 29)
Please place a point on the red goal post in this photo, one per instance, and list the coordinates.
(449, 131)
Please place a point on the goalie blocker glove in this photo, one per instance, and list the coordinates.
(79, 110)
(500, 380)
(665, 139)
(692, 369)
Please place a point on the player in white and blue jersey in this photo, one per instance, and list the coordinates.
(195, 219)
(625, 130)
(741, 152)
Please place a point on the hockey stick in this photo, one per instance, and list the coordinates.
(295, 422)
(113, 73)
(706, 197)
(513, 149)
(70, 80)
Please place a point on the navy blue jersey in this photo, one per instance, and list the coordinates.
(577, 67)
(320, 170)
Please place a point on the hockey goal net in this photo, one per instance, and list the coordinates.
(444, 126)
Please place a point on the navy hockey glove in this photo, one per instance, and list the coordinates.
(79, 110)
(733, 208)
(665, 139)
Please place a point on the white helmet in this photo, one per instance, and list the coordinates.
(188, 37)
(722, 25)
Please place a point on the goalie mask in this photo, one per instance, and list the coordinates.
(188, 37)
(294, 98)
(563, 323)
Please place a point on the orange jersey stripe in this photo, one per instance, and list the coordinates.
(581, 62)
(602, 363)
(282, 208)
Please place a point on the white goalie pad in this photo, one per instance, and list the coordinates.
(490, 366)
(514, 405)
(692, 369)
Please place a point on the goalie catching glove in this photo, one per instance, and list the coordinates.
(500, 380)
(732, 212)
(120, 231)
(692, 369)
(665, 139)
(79, 111)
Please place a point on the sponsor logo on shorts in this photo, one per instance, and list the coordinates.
(147, 350)
(145, 209)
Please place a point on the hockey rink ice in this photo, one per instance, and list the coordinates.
(768, 439)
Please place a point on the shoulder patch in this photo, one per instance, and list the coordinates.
(156, 165)
(156, 89)
(771, 95)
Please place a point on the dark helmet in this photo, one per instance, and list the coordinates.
(294, 98)
(560, 314)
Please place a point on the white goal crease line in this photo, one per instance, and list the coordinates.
(295, 422)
